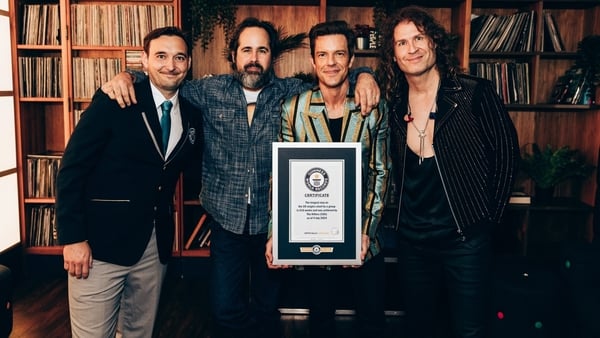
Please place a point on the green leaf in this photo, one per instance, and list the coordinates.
(548, 167)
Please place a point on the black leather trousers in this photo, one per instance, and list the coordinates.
(460, 272)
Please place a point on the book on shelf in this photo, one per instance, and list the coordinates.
(477, 23)
(510, 79)
(561, 87)
(41, 24)
(195, 233)
(502, 33)
(573, 87)
(90, 73)
(42, 226)
(124, 24)
(39, 76)
(77, 115)
(133, 60)
(201, 239)
(205, 239)
(518, 197)
(177, 229)
(525, 40)
(519, 25)
(374, 38)
(552, 40)
(41, 175)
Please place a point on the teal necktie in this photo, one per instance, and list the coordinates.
(165, 123)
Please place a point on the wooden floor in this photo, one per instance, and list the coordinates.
(41, 311)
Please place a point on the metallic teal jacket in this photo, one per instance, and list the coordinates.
(304, 119)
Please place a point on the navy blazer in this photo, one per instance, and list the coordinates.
(114, 184)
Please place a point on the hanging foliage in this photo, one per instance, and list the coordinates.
(205, 15)
(382, 8)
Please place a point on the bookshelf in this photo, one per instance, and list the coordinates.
(540, 120)
(44, 123)
(62, 52)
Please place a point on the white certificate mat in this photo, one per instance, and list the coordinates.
(316, 203)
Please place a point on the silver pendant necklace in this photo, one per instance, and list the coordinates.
(421, 132)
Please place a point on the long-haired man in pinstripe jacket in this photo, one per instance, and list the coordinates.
(454, 153)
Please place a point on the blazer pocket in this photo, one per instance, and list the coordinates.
(109, 200)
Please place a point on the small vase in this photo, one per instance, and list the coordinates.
(544, 195)
(361, 42)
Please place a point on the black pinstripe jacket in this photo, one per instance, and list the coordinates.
(476, 149)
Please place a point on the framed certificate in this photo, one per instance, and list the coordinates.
(316, 203)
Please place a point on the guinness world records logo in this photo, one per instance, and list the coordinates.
(316, 179)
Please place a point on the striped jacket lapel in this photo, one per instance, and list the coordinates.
(353, 124)
(315, 118)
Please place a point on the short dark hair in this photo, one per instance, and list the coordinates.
(331, 28)
(273, 33)
(168, 31)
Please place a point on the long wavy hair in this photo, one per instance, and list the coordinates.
(391, 78)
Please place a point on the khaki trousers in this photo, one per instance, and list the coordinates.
(127, 295)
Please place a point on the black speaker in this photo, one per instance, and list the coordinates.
(6, 314)
(526, 301)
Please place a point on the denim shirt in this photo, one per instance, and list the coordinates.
(236, 156)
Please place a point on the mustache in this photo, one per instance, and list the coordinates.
(254, 64)
(175, 72)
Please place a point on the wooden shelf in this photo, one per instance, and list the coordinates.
(549, 107)
(367, 52)
(45, 250)
(282, 2)
(54, 48)
(204, 252)
(31, 200)
(106, 48)
(41, 99)
(367, 3)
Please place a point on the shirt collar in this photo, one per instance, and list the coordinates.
(159, 97)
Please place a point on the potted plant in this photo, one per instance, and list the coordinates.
(550, 166)
(588, 52)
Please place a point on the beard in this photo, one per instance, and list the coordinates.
(253, 79)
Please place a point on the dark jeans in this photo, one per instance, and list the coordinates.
(368, 297)
(463, 269)
(245, 293)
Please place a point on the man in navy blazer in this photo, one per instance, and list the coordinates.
(115, 195)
